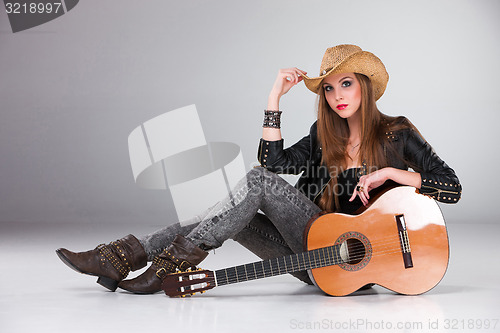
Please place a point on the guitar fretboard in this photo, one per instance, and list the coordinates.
(322, 257)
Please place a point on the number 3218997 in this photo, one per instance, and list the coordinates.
(32, 8)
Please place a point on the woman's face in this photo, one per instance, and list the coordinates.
(343, 93)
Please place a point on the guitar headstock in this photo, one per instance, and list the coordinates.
(187, 283)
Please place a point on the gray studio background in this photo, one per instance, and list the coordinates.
(73, 89)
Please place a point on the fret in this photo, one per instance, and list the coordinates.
(267, 268)
(309, 262)
(246, 273)
(337, 254)
(319, 256)
(330, 255)
(314, 255)
(254, 271)
(221, 277)
(250, 271)
(295, 266)
(272, 268)
(334, 251)
(231, 273)
(258, 270)
(324, 260)
(281, 269)
(291, 265)
(284, 260)
(240, 272)
(278, 263)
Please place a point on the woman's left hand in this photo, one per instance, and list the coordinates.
(369, 182)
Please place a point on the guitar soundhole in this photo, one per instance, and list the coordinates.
(355, 251)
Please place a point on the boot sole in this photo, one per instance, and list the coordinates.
(102, 280)
(141, 292)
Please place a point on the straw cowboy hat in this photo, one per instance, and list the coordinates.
(350, 58)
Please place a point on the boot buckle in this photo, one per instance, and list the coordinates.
(162, 271)
(184, 265)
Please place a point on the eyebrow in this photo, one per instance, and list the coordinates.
(345, 77)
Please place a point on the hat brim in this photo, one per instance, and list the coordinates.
(362, 62)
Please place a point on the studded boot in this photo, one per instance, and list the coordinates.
(181, 254)
(111, 262)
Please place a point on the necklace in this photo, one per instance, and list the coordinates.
(354, 147)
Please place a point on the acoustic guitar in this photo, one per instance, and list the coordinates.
(399, 241)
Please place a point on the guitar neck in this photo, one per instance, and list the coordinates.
(322, 257)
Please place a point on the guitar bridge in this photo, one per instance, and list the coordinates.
(404, 241)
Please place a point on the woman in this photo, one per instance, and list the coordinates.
(351, 149)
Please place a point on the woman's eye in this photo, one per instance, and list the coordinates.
(328, 88)
(346, 84)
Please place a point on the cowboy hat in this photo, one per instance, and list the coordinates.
(350, 58)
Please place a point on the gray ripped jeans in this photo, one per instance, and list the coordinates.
(277, 233)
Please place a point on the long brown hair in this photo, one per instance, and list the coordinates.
(333, 136)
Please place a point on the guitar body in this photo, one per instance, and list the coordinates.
(409, 258)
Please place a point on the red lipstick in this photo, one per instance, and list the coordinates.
(341, 106)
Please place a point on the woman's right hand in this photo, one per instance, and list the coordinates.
(286, 79)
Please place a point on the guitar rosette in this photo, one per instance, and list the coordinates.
(359, 249)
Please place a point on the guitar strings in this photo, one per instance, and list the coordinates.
(386, 246)
(323, 261)
(379, 245)
(383, 246)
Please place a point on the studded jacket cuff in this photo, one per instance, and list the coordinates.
(440, 188)
(267, 151)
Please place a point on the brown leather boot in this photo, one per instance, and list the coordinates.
(111, 263)
(181, 254)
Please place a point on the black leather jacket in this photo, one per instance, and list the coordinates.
(407, 149)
